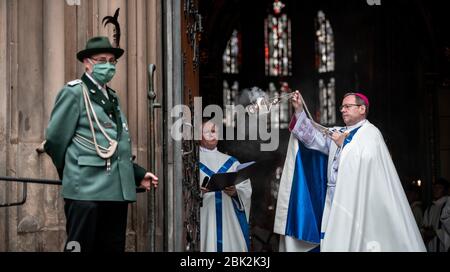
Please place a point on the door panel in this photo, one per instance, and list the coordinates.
(190, 37)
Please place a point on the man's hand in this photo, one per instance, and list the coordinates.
(339, 138)
(231, 191)
(204, 190)
(149, 180)
(297, 102)
(428, 234)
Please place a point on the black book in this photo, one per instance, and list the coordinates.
(218, 182)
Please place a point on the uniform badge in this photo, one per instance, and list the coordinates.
(107, 125)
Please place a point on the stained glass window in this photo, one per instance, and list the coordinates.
(279, 115)
(325, 44)
(275, 111)
(278, 51)
(230, 92)
(231, 64)
(325, 64)
(327, 101)
(231, 60)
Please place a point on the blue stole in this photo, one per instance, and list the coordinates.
(240, 213)
(350, 136)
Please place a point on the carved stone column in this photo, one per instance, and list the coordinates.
(27, 105)
(54, 79)
(3, 114)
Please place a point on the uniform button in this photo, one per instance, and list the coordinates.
(131, 158)
(129, 140)
(118, 158)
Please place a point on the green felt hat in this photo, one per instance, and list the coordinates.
(98, 45)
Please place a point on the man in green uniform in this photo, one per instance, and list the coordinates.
(89, 143)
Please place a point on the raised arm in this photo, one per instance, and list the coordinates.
(303, 129)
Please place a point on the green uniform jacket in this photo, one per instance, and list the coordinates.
(84, 174)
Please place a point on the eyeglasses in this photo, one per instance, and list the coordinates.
(104, 61)
(347, 106)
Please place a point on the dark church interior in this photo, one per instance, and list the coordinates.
(395, 52)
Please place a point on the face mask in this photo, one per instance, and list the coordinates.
(103, 73)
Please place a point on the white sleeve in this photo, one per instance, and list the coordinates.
(426, 218)
(244, 193)
(445, 217)
(309, 135)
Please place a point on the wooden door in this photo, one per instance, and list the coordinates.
(190, 37)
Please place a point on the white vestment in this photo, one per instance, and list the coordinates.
(367, 209)
(437, 217)
(417, 210)
(444, 235)
(300, 200)
(224, 233)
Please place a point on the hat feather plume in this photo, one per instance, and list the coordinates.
(114, 20)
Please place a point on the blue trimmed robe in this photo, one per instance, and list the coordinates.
(365, 206)
(223, 219)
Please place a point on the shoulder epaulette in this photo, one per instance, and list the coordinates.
(74, 82)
